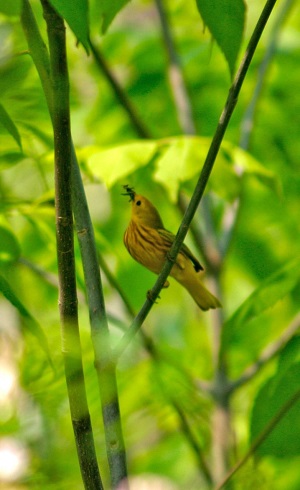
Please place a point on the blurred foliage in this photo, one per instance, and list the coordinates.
(260, 271)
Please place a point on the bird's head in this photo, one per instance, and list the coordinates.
(142, 211)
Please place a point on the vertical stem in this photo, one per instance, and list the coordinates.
(177, 83)
(221, 444)
(106, 377)
(65, 250)
(106, 368)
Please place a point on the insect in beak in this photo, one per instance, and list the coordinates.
(129, 192)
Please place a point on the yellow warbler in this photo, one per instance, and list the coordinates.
(148, 242)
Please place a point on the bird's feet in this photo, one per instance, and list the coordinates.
(170, 258)
(150, 297)
(149, 292)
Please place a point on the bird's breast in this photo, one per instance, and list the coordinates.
(146, 246)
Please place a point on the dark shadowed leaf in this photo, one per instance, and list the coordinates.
(75, 14)
(225, 19)
(284, 440)
(266, 295)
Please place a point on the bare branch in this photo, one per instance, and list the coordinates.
(119, 92)
(176, 79)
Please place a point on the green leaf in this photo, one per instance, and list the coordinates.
(284, 440)
(181, 160)
(244, 162)
(75, 14)
(108, 9)
(10, 126)
(29, 321)
(289, 355)
(225, 19)
(9, 246)
(113, 164)
(178, 161)
(10, 8)
(183, 157)
(266, 295)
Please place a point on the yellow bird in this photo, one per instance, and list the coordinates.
(148, 242)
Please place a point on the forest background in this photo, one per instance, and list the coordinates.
(196, 391)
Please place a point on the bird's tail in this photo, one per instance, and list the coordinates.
(204, 299)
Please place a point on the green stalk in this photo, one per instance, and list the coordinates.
(106, 370)
(54, 79)
(65, 248)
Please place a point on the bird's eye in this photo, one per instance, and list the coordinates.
(138, 203)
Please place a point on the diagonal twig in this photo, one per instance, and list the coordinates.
(119, 92)
(203, 179)
(261, 437)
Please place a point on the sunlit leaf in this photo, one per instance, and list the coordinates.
(113, 164)
(284, 440)
(178, 160)
(225, 19)
(9, 125)
(75, 14)
(181, 160)
(29, 321)
(265, 296)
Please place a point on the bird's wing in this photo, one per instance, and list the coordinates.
(169, 238)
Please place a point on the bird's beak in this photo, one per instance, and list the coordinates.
(129, 192)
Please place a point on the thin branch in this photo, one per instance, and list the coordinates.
(176, 79)
(192, 441)
(261, 437)
(203, 179)
(269, 353)
(119, 92)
